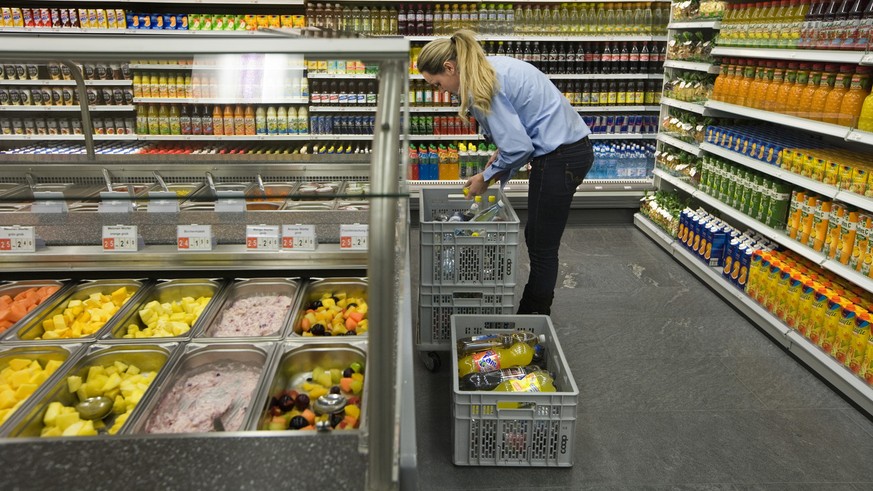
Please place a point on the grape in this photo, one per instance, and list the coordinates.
(302, 402)
(298, 422)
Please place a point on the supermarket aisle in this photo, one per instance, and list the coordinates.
(677, 390)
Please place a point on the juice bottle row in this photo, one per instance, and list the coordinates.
(829, 227)
(345, 92)
(40, 126)
(448, 162)
(441, 125)
(63, 18)
(341, 67)
(831, 314)
(584, 57)
(241, 85)
(620, 124)
(342, 125)
(826, 24)
(610, 92)
(806, 157)
(758, 195)
(193, 148)
(422, 94)
(60, 71)
(622, 160)
(827, 92)
(181, 119)
(64, 96)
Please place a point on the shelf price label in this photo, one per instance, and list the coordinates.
(194, 237)
(120, 238)
(262, 237)
(299, 237)
(354, 237)
(17, 239)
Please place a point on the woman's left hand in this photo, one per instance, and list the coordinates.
(477, 185)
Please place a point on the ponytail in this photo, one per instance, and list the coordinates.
(478, 78)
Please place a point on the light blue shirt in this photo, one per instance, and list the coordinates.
(529, 117)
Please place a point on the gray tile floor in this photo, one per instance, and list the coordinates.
(677, 390)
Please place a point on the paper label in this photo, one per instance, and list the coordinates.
(262, 237)
(17, 239)
(299, 237)
(354, 237)
(194, 237)
(120, 238)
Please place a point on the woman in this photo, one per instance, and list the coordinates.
(529, 120)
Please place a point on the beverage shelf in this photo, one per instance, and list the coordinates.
(772, 170)
(829, 56)
(202, 66)
(342, 109)
(344, 76)
(433, 109)
(622, 136)
(67, 83)
(655, 232)
(792, 121)
(606, 76)
(42, 137)
(695, 24)
(682, 145)
(131, 32)
(183, 2)
(615, 109)
(677, 183)
(859, 136)
(823, 364)
(220, 100)
(692, 65)
(303, 137)
(475, 137)
(687, 106)
(589, 38)
(75, 108)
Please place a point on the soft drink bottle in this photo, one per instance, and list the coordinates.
(517, 355)
(490, 380)
(490, 214)
(481, 342)
(538, 381)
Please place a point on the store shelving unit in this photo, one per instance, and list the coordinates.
(685, 106)
(682, 145)
(783, 119)
(616, 109)
(830, 56)
(694, 66)
(65, 109)
(52, 83)
(823, 364)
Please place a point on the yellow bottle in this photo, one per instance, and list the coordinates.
(539, 381)
(250, 124)
(858, 343)
(517, 355)
(217, 121)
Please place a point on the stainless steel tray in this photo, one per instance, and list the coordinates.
(241, 293)
(166, 291)
(148, 358)
(201, 386)
(353, 287)
(32, 329)
(293, 364)
(62, 354)
(16, 287)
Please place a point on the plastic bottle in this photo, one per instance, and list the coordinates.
(302, 120)
(831, 109)
(517, 355)
(184, 121)
(239, 121)
(260, 121)
(490, 380)
(854, 98)
(208, 121)
(472, 344)
(539, 381)
(164, 120)
(489, 214)
(154, 127)
(272, 121)
(196, 122)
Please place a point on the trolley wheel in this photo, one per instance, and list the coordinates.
(431, 361)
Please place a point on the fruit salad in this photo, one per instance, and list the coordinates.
(293, 409)
(335, 314)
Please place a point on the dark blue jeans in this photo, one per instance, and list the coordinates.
(554, 178)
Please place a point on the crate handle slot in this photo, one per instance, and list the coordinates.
(516, 407)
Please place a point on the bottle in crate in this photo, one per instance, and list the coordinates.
(518, 355)
(490, 380)
(483, 342)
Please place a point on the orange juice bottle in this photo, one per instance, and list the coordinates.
(804, 307)
(818, 98)
(751, 99)
(237, 120)
(831, 111)
(227, 119)
(764, 84)
(727, 87)
(779, 101)
(217, 121)
(843, 332)
(743, 87)
(793, 102)
(828, 329)
(853, 100)
(720, 82)
(847, 238)
(795, 213)
(858, 342)
(768, 98)
(815, 322)
(250, 124)
(820, 220)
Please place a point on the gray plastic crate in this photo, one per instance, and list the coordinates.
(451, 255)
(437, 305)
(533, 429)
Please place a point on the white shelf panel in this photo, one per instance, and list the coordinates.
(682, 145)
(66, 109)
(42, 137)
(622, 136)
(433, 109)
(791, 54)
(675, 182)
(474, 137)
(687, 106)
(67, 83)
(859, 136)
(692, 65)
(616, 109)
(343, 76)
(696, 24)
(606, 76)
(813, 185)
(116, 137)
(218, 100)
(305, 137)
(855, 200)
(509, 37)
(654, 232)
(848, 273)
(792, 121)
(342, 109)
(838, 375)
(132, 32)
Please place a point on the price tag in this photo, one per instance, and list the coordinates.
(854, 136)
(163, 202)
(299, 237)
(48, 202)
(262, 237)
(17, 239)
(194, 237)
(230, 201)
(867, 59)
(354, 237)
(120, 238)
(115, 202)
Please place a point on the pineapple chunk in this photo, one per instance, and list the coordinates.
(65, 420)
(51, 413)
(111, 383)
(17, 364)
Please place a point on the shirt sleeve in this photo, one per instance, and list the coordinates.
(513, 143)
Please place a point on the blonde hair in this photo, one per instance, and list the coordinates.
(478, 78)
